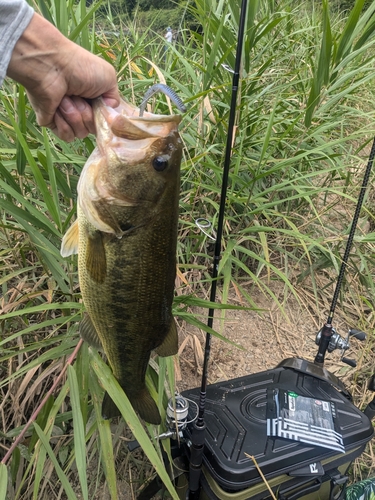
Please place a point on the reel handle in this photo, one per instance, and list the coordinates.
(133, 445)
(357, 334)
(350, 362)
(370, 410)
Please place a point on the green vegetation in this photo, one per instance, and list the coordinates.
(304, 122)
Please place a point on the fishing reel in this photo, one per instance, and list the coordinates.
(177, 417)
(339, 342)
(176, 420)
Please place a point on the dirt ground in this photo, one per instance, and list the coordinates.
(266, 338)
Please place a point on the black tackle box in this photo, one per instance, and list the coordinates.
(236, 426)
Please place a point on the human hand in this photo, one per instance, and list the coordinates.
(59, 76)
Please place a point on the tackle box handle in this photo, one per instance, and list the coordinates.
(334, 476)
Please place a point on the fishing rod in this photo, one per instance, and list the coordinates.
(328, 338)
(198, 434)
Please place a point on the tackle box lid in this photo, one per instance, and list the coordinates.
(235, 417)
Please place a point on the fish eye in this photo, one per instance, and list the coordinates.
(160, 163)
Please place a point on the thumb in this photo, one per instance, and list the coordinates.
(112, 97)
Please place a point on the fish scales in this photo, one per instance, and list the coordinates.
(127, 235)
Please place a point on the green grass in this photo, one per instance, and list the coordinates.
(303, 125)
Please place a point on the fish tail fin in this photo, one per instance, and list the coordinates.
(146, 407)
(142, 403)
(109, 409)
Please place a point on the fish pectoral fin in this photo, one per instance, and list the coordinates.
(88, 332)
(142, 403)
(96, 261)
(69, 244)
(169, 346)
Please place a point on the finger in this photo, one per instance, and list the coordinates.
(87, 123)
(62, 129)
(112, 97)
(112, 103)
(44, 112)
(78, 115)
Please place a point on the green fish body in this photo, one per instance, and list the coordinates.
(126, 237)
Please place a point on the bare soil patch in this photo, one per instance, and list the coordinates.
(264, 337)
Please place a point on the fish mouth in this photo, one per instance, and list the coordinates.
(124, 121)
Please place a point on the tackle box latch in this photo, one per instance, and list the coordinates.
(338, 485)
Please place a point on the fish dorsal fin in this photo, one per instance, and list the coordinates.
(96, 262)
(88, 332)
(169, 346)
(69, 244)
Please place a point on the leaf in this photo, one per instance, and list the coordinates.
(40, 452)
(62, 477)
(30, 215)
(363, 490)
(82, 27)
(33, 165)
(21, 112)
(79, 431)
(321, 74)
(105, 436)
(118, 396)
(348, 31)
(9, 178)
(192, 300)
(82, 368)
(56, 214)
(192, 320)
(3, 481)
(44, 307)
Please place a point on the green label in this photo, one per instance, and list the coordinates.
(292, 394)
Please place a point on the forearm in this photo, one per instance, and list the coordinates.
(15, 15)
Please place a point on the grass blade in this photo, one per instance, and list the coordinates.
(321, 75)
(46, 196)
(40, 453)
(52, 180)
(105, 436)
(79, 431)
(349, 30)
(21, 105)
(3, 481)
(63, 478)
(111, 385)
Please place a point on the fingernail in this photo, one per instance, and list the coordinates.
(81, 105)
(112, 103)
(66, 105)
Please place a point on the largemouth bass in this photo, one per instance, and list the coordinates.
(125, 236)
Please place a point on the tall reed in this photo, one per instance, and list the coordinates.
(304, 119)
